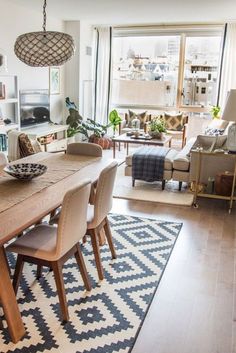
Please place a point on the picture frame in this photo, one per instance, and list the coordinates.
(54, 80)
(2, 91)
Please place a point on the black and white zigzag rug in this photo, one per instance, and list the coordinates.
(108, 318)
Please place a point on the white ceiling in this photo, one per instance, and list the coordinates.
(137, 11)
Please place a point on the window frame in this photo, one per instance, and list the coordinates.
(183, 31)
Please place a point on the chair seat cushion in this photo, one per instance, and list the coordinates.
(39, 242)
(175, 133)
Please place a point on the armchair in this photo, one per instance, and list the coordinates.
(126, 124)
(176, 125)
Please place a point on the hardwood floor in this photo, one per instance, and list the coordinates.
(194, 309)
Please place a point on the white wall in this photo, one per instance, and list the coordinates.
(15, 20)
(78, 71)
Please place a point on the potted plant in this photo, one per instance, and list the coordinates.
(215, 111)
(98, 135)
(157, 127)
(115, 120)
(74, 120)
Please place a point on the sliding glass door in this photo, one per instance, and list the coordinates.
(166, 69)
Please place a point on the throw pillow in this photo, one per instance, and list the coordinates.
(218, 124)
(25, 146)
(214, 132)
(141, 116)
(174, 121)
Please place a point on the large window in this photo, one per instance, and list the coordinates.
(166, 70)
(145, 70)
(201, 66)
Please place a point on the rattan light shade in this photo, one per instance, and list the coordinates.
(45, 48)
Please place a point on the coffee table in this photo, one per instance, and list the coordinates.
(139, 141)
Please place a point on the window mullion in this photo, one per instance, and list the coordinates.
(181, 71)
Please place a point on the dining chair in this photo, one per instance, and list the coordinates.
(97, 214)
(84, 148)
(51, 246)
(97, 219)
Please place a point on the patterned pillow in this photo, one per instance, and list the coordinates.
(174, 122)
(141, 116)
(26, 148)
(214, 132)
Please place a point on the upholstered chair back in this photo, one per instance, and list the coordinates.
(73, 218)
(84, 148)
(3, 159)
(104, 191)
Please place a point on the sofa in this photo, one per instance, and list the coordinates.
(181, 165)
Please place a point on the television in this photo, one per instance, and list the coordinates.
(34, 107)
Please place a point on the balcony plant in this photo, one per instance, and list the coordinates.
(215, 112)
(157, 127)
(115, 120)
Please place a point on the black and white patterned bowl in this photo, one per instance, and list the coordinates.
(25, 171)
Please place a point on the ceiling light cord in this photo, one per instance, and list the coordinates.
(44, 15)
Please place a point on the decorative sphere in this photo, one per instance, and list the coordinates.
(44, 48)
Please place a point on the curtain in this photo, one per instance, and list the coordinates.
(102, 67)
(228, 75)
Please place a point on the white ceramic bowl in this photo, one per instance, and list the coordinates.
(25, 171)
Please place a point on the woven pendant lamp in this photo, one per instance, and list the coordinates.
(44, 48)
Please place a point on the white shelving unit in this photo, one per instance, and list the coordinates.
(9, 105)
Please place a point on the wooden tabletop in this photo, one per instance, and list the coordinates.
(25, 213)
(132, 139)
(22, 215)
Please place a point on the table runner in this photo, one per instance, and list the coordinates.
(60, 166)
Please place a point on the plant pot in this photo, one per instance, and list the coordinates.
(156, 135)
(105, 141)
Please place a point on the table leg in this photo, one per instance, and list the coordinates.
(114, 149)
(8, 301)
(127, 149)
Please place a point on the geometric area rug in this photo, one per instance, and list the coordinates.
(108, 318)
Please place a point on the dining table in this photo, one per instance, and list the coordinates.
(24, 203)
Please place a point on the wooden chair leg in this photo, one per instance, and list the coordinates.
(133, 182)
(18, 272)
(101, 237)
(57, 270)
(109, 238)
(96, 251)
(39, 272)
(5, 255)
(82, 268)
(84, 239)
(163, 184)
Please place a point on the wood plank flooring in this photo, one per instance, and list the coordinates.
(194, 308)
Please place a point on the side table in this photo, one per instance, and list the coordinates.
(197, 194)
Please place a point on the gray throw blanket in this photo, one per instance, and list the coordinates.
(148, 163)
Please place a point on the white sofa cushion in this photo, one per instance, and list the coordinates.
(182, 159)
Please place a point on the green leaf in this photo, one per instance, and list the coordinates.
(114, 118)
